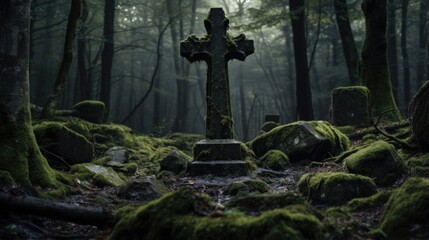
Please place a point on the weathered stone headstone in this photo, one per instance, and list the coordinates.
(219, 153)
(350, 106)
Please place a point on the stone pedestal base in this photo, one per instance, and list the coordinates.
(220, 157)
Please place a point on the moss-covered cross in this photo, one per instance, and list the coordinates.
(216, 49)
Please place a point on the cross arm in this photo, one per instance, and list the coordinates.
(240, 48)
(195, 49)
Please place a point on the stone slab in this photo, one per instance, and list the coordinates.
(218, 168)
(217, 149)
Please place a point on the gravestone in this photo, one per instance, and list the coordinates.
(219, 153)
(350, 106)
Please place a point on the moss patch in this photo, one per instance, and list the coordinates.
(247, 187)
(6, 179)
(335, 188)
(373, 201)
(274, 159)
(178, 216)
(406, 214)
(101, 176)
(378, 161)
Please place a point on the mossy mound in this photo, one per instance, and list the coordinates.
(175, 161)
(274, 159)
(247, 187)
(101, 176)
(6, 179)
(378, 161)
(182, 141)
(406, 215)
(143, 189)
(376, 200)
(178, 216)
(313, 141)
(57, 140)
(89, 110)
(418, 161)
(334, 188)
(257, 203)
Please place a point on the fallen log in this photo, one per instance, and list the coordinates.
(99, 217)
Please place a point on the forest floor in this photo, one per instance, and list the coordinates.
(353, 224)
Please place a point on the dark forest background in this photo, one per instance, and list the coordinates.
(124, 50)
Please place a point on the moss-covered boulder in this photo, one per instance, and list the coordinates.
(274, 160)
(56, 140)
(406, 215)
(143, 189)
(313, 141)
(175, 161)
(89, 110)
(335, 188)
(243, 188)
(378, 160)
(350, 106)
(179, 216)
(101, 176)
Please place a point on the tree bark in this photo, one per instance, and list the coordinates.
(406, 61)
(303, 90)
(19, 153)
(107, 55)
(420, 71)
(84, 84)
(349, 46)
(392, 53)
(374, 67)
(61, 78)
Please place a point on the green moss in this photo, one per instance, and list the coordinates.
(418, 161)
(419, 171)
(378, 161)
(406, 215)
(373, 201)
(247, 187)
(369, 138)
(335, 188)
(6, 179)
(274, 159)
(346, 129)
(101, 176)
(177, 216)
(313, 141)
(90, 110)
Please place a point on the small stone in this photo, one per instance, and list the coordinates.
(378, 161)
(118, 154)
(101, 176)
(143, 189)
(175, 161)
(335, 188)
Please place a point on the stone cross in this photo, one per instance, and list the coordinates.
(216, 49)
(219, 153)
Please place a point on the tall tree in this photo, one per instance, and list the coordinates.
(19, 153)
(420, 71)
(374, 67)
(349, 46)
(84, 84)
(392, 53)
(303, 90)
(404, 51)
(60, 80)
(107, 54)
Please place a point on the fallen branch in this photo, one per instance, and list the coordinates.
(393, 138)
(61, 211)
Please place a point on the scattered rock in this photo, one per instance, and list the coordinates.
(118, 154)
(406, 214)
(143, 189)
(184, 215)
(57, 140)
(378, 161)
(350, 106)
(274, 159)
(175, 161)
(335, 188)
(313, 141)
(247, 187)
(89, 110)
(101, 176)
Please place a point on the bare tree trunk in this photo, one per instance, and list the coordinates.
(349, 46)
(19, 153)
(60, 80)
(406, 61)
(107, 55)
(84, 84)
(392, 53)
(303, 90)
(420, 75)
